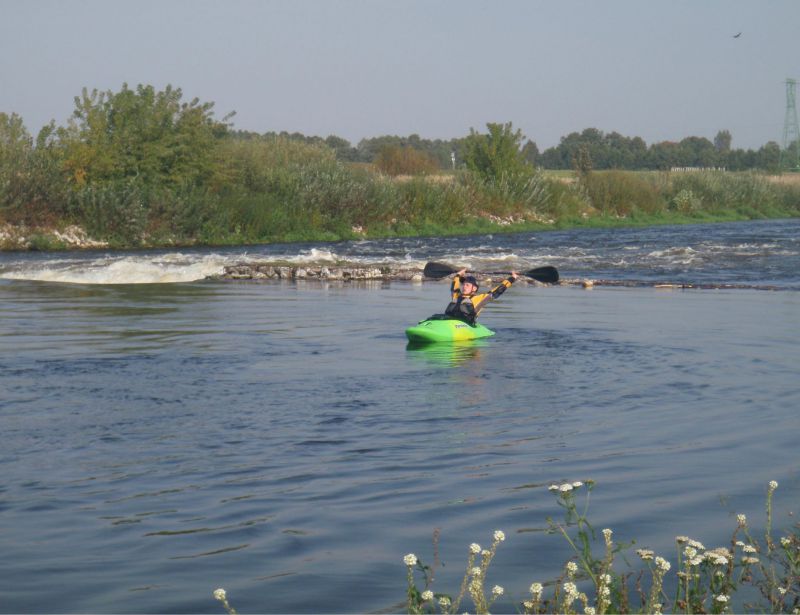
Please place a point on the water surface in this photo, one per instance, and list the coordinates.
(280, 440)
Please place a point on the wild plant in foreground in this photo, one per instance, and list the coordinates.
(220, 595)
(473, 582)
(706, 580)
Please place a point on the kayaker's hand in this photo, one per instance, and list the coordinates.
(514, 275)
(461, 273)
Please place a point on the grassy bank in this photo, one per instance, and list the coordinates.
(277, 190)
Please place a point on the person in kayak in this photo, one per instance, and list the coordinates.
(466, 302)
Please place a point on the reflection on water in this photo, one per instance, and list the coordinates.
(448, 354)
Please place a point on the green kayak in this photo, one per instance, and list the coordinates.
(446, 330)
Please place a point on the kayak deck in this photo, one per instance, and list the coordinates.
(446, 330)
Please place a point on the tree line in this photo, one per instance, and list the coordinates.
(604, 150)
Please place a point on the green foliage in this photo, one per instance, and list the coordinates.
(144, 134)
(497, 153)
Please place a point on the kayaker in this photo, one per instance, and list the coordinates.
(466, 302)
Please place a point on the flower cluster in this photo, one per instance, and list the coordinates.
(566, 487)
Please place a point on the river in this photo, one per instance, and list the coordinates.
(165, 434)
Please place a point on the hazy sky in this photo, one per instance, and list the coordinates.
(661, 70)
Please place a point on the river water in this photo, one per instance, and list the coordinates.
(166, 434)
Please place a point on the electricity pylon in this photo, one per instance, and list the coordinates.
(790, 154)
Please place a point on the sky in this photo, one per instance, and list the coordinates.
(657, 69)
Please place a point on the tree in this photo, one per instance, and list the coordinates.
(769, 157)
(342, 147)
(722, 142)
(15, 149)
(530, 152)
(151, 136)
(698, 152)
(496, 153)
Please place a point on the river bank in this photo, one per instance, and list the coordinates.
(22, 237)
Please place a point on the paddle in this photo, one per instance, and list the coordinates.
(545, 274)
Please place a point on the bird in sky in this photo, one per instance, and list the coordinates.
(737, 35)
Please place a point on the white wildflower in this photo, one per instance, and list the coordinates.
(739, 543)
(497, 590)
(749, 549)
(749, 560)
(645, 554)
(553, 487)
(410, 560)
(690, 552)
(485, 553)
(577, 484)
(572, 567)
(427, 595)
(606, 578)
(475, 548)
(220, 595)
(663, 564)
(536, 590)
(657, 608)
(696, 544)
(476, 571)
(444, 602)
(604, 591)
(782, 591)
(721, 598)
(786, 541)
(589, 610)
(499, 536)
(607, 536)
(696, 561)
(681, 539)
(565, 488)
(570, 592)
(720, 560)
(773, 485)
(528, 605)
(742, 519)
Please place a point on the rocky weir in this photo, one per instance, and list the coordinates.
(270, 271)
(264, 271)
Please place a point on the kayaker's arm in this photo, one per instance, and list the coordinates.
(455, 287)
(480, 300)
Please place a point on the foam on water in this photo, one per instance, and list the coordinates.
(163, 269)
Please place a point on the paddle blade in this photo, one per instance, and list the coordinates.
(547, 274)
(437, 270)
